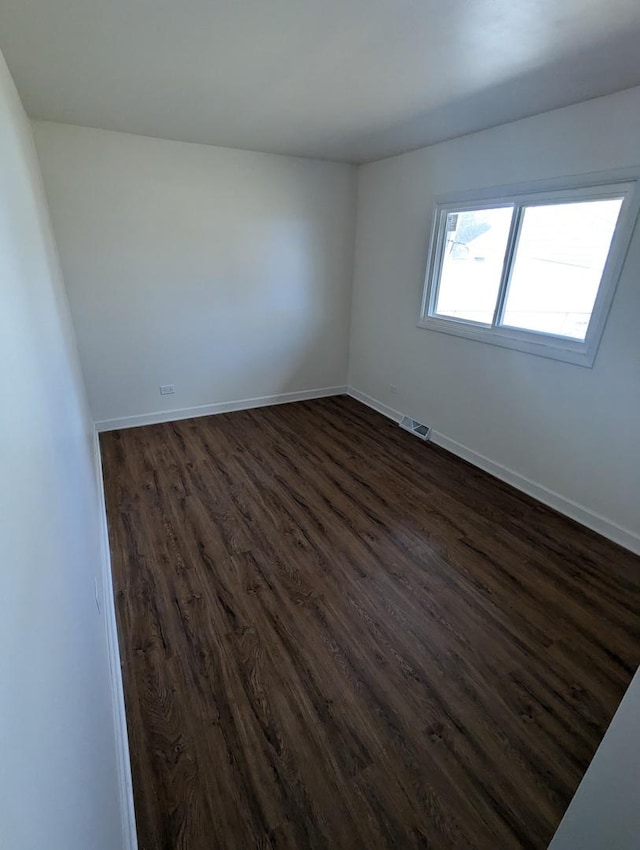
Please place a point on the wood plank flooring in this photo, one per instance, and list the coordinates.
(335, 636)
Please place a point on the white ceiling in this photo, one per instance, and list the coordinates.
(353, 80)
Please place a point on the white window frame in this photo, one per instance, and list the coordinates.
(581, 188)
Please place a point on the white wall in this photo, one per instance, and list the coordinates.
(58, 773)
(570, 429)
(224, 272)
(228, 273)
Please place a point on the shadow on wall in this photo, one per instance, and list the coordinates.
(585, 73)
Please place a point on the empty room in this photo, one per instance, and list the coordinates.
(320, 469)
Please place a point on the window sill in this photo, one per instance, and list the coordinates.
(553, 348)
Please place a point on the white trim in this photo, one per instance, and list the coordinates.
(218, 407)
(617, 183)
(512, 339)
(125, 783)
(374, 404)
(577, 512)
(596, 522)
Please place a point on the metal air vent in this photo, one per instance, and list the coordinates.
(415, 427)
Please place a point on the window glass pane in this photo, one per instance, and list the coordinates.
(475, 244)
(559, 261)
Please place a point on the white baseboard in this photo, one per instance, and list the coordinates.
(218, 407)
(127, 811)
(373, 403)
(585, 516)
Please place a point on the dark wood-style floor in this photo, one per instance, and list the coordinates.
(335, 636)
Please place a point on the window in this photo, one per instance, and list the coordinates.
(531, 270)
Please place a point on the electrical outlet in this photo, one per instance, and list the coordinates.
(167, 389)
(394, 390)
